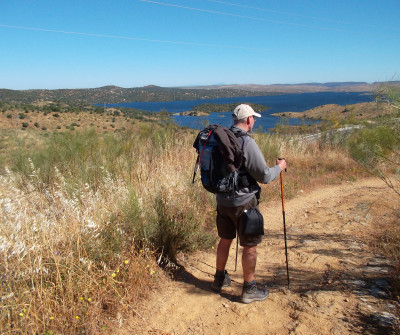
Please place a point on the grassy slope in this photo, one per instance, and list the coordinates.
(86, 214)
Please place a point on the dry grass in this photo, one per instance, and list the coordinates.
(84, 230)
(66, 261)
(310, 165)
(77, 249)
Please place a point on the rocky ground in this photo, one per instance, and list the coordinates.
(339, 281)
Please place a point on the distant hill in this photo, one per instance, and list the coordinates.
(303, 87)
(115, 94)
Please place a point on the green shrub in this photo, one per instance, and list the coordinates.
(177, 229)
(373, 146)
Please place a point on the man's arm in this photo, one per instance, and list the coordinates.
(256, 165)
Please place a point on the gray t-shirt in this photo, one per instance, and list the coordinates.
(256, 166)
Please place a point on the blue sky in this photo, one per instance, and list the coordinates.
(132, 43)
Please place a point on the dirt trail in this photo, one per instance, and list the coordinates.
(338, 284)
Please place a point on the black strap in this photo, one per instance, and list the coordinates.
(244, 178)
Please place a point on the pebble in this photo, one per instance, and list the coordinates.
(386, 319)
(376, 269)
(378, 293)
(382, 283)
(356, 282)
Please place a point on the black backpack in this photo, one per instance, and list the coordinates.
(219, 159)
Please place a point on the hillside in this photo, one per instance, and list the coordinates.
(59, 116)
(359, 111)
(302, 88)
(114, 94)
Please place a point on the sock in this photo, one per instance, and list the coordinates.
(249, 284)
(219, 273)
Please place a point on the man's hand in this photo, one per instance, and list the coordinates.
(282, 163)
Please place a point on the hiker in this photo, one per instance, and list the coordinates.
(231, 207)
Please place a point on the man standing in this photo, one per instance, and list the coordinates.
(231, 207)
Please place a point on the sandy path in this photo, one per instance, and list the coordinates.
(338, 284)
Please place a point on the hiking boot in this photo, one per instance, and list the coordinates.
(220, 280)
(252, 293)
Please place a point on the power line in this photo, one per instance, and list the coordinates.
(202, 10)
(130, 38)
(273, 11)
(290, 13)
(241, 16)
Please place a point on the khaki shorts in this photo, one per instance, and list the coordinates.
(229, 219)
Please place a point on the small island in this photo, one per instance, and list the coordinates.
(208, 108)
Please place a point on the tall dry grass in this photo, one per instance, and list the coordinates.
(311, 164)
(87, 219)
(84, 220)
(66, 259)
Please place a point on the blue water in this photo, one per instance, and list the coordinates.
(283, 103)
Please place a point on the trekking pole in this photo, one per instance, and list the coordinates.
(237, 248)
(284, 229)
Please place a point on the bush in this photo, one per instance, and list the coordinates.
(377, 149)
(177, 229)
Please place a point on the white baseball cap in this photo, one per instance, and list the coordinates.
(243, 111)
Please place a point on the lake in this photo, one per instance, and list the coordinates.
(282, 103)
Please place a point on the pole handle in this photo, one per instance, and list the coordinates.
(280, 160)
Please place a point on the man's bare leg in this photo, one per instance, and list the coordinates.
(249, 260)
(223, 253)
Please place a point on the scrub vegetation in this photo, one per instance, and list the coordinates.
(92, 221)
